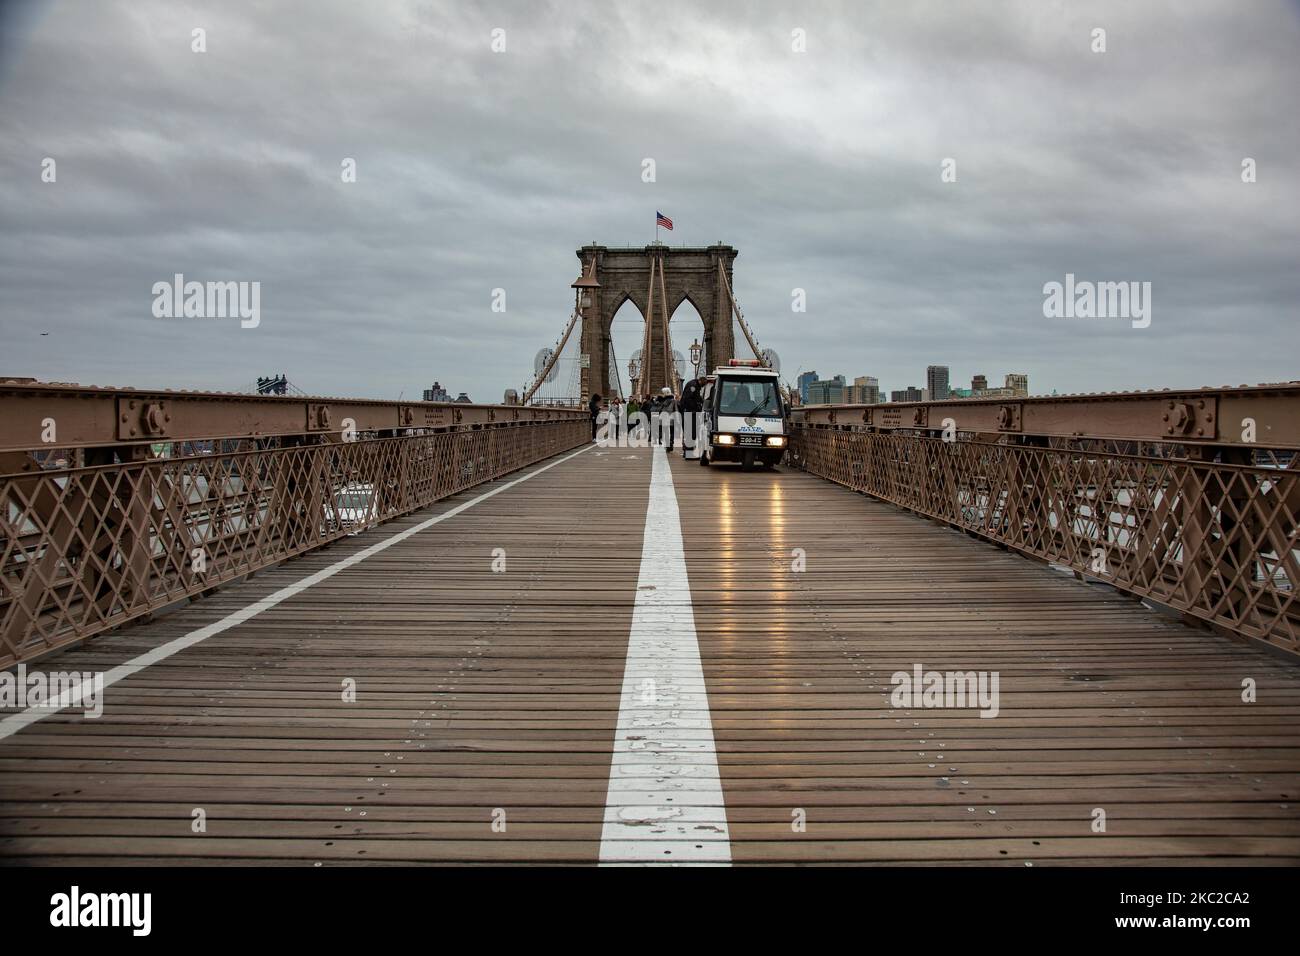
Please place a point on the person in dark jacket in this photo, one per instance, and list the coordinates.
(690, 405)
(594, 407)
(650, 409)
(633, 408)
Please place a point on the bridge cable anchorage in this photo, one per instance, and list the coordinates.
(663, 314)
(643, 382)
(618, 374)
(574, 392)
(740, 316)
(670, 368)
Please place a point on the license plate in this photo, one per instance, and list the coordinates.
(751, 439)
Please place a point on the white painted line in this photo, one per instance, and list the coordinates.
(665, 795)
(16, 722)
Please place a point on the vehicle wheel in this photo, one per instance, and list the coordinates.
(748, 463)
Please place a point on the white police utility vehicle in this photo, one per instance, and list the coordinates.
(744, 417)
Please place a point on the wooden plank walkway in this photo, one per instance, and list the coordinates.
(487, 695)
(1104, 704)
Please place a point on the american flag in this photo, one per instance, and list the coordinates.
(662, 220)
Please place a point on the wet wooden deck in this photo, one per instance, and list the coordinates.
(487, 696)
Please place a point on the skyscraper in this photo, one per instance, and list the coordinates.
(804, 380)
(866, 390)
(936, 381)
(436, 394)
(828, 392)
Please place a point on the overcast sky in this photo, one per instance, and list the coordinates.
(479, 170)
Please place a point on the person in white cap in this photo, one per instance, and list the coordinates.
(666, 406)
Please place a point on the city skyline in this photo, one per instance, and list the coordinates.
(810, 384)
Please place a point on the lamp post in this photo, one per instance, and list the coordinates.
(582, 287)
(697, 352)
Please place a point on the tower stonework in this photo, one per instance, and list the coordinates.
(688, 274)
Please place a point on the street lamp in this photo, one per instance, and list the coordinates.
(582, 287)
(697, 352)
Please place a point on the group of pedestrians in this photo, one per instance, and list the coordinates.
(666, 416)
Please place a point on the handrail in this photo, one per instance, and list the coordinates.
(121, 532)
(38, 416)
(1259, 416)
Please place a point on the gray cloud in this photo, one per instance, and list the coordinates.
(479, 170)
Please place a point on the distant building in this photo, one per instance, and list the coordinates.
(978, 384)
(436, 394)
(463, 399)
(1018, 383)
(936, 382)
(828, 392)
(865, 390)
(960, 392)
(804, 381)
(909, 394)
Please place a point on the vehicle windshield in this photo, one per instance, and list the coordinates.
(749, 397)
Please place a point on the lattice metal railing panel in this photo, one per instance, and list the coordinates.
(84, 550)
(1218, 541)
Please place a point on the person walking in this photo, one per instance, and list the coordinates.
(667, 415)
(594, 407)
(632, 408)
(690, 405)
(650, 407)
(616, 418)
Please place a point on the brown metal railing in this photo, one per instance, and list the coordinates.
(86, 549)
(1206, 527)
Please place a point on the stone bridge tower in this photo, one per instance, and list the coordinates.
(623, 274)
